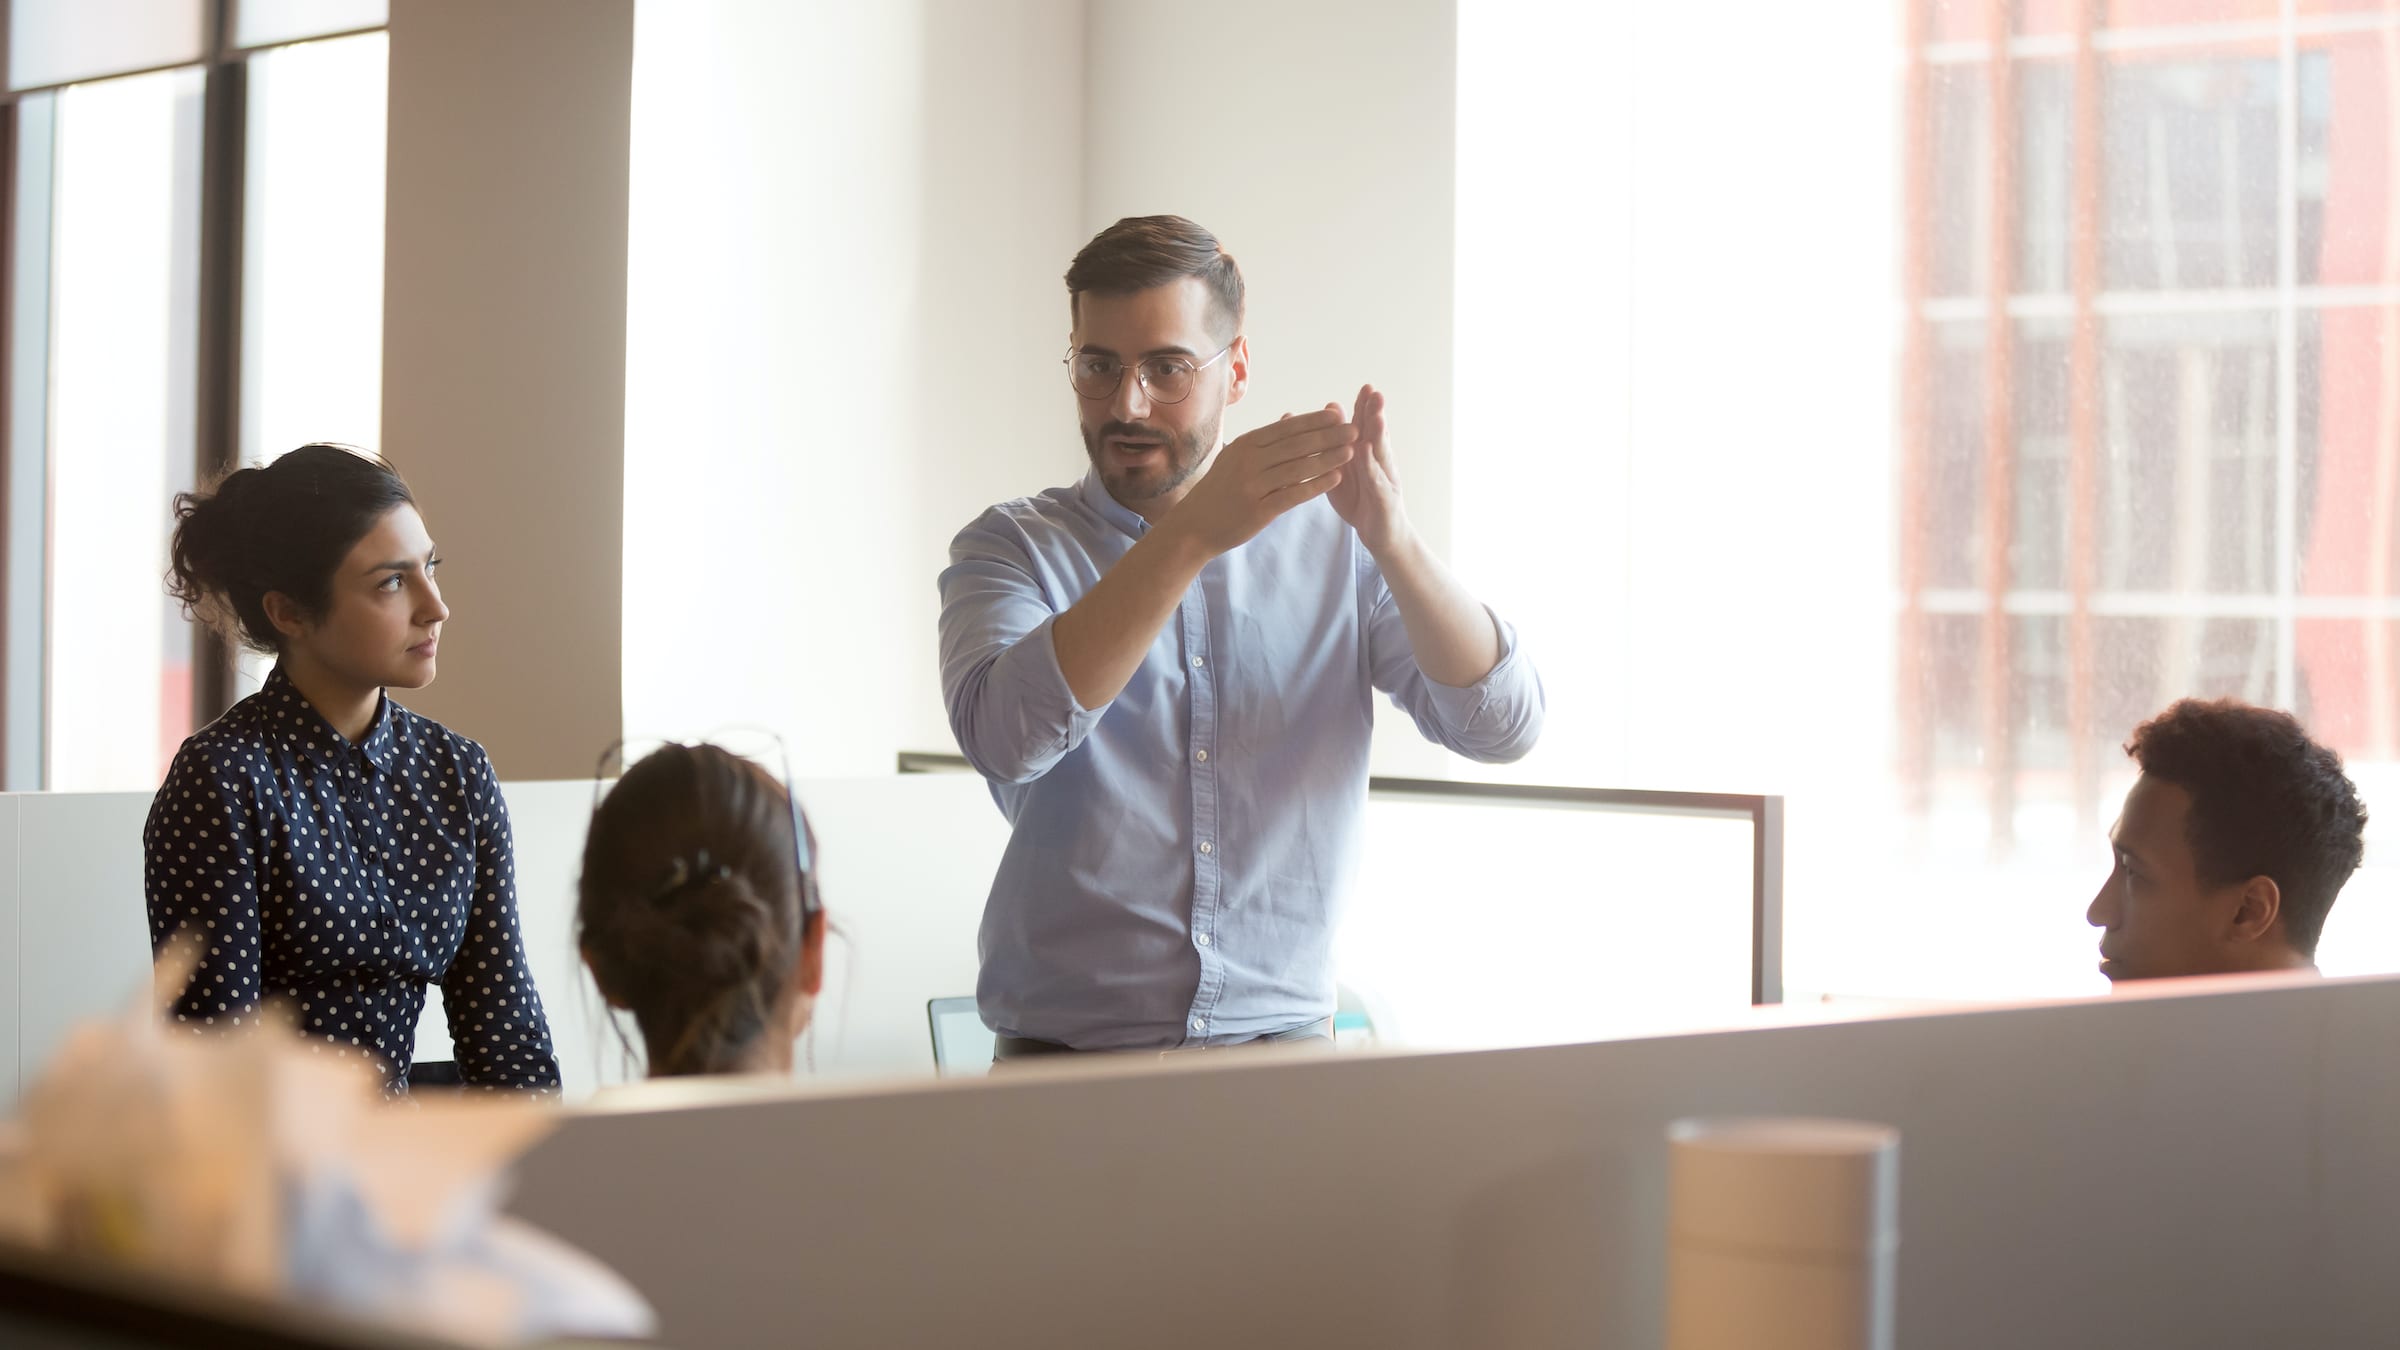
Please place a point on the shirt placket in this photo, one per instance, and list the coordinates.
(359, 803)
(1208, 862)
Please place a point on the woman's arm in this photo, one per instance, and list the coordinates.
(200, 876)
(497, 1029)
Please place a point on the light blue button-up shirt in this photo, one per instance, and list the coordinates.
(1179, 857)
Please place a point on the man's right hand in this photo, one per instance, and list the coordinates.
(1100, 640)
(1260, 476)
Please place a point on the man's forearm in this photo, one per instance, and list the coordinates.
(1456, 642)
(1102, 638)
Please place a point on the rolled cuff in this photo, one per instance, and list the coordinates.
(1498, 717)
(1027, 718)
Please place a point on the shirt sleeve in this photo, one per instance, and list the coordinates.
(497, 1029)
(1495, 720)
(1009, 703)
(200, 853)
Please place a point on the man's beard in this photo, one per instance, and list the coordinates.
(1185, 455)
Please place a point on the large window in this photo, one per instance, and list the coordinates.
(312, 254)
(123, 326)
(2177, 454)
(1899, 444)
(312, 251)
(197, 279)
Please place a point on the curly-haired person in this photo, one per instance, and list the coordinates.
(2231, 847)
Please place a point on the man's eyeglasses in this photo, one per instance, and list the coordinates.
(1164, 379)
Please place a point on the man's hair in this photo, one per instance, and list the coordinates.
(2266, 801)
(1141, 252)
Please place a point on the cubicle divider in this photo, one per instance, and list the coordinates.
(1485, 914)
(905, 860)
(2203, 1165)
(904, 863)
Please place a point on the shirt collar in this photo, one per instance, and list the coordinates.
(381, 745)
(1095, 495)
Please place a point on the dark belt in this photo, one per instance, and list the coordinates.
(1025, 1047)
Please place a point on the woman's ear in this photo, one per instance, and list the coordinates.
(808, 974)
(799, 1002)
(284, 613)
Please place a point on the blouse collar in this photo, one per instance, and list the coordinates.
(314, 734)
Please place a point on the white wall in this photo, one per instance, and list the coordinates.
(1002, 180)
(1314, 140)
(832, 202)
(847, 218)
(768, 435)
(1545, 351)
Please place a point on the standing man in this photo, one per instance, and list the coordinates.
(1167, 673)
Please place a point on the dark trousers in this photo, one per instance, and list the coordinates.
(1007, 1049)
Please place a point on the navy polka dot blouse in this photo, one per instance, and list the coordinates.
(345, 878)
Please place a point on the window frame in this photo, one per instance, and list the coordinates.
(27, 137)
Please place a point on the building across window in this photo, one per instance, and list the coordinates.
(2150, 439)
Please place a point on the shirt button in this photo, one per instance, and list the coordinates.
(1199, 1024)
(1198, 662)
(1202, 756)
(1206, 847)
(1202, 939)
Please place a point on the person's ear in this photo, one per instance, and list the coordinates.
(2261, 905)
(284, 613)
(799, 1001)
(808, 974)
(1237, 363)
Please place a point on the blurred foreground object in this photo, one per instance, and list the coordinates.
(1782, 1233)
(251, 1163)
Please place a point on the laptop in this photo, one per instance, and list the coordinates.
(962, 1044)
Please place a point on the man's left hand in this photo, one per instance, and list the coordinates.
(1369, 495)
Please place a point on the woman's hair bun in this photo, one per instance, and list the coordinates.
(282, 527)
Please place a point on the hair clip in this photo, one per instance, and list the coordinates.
(682, 876)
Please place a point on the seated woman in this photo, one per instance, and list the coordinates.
(697, 912)
(320, 842)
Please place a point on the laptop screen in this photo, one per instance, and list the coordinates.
(962, 1044)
